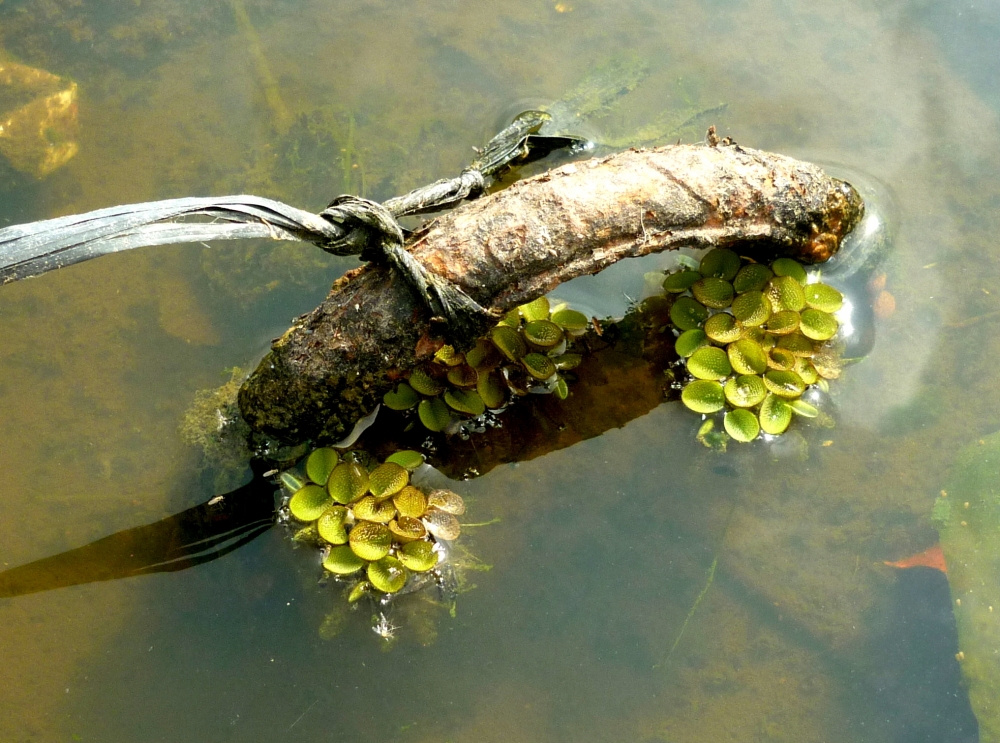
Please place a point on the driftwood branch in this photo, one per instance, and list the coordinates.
(334, 364)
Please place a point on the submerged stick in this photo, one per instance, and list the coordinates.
(334, 364)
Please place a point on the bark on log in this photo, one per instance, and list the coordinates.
(334, 364)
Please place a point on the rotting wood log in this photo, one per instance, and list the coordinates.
(334, 364)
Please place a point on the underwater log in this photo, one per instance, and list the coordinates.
(333, 365)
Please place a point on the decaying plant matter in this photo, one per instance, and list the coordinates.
(334, 364)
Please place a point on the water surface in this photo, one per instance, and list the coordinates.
(602, 548)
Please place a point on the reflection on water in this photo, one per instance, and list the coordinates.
(603, 547)
(196, 535)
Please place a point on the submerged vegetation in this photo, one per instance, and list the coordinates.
(213, 424)
(308, 163)
(967, 516)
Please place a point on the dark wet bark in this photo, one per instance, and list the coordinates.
(335, 363)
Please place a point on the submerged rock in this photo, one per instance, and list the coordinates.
(38, 119)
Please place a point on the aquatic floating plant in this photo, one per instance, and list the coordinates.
(376, 528)
(528, 351)
(753, 339)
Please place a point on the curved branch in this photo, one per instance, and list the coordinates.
(333, 365)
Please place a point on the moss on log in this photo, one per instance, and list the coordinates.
(334, 364)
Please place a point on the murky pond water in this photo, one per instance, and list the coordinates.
(602, 550)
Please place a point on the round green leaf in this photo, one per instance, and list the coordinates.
(720, 263)
(320, 464)
(745, 391)
(343, 561)
(491, 390)
(703, 396)
(681, 281)
(687, 313)
(348, 482)
(775, 415)
(418, 556)
(742, 425)
(751, 308)
(709, 362)
(370, 541)
(824, 298)
(434, 414)
(388, 479)
(309, 502)
(713, 292)
(535, 310)
(753, 277)
(817, 325)
(424, 383)
(465, 401)
(723, 328)
(387, 574)
(407, 458)
(539, 366)
(570, 320)
(747, 357)
(789, 267)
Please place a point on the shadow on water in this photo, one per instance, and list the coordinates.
(197, 535)
(910, 676)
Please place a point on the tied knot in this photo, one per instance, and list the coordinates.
(369, 228)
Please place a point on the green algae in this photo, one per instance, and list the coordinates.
(597, 92)
(407, 458)
(320, 463)
(968, 520)
(597, 101)
(213, 424)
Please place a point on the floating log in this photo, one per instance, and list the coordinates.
(333, 365)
